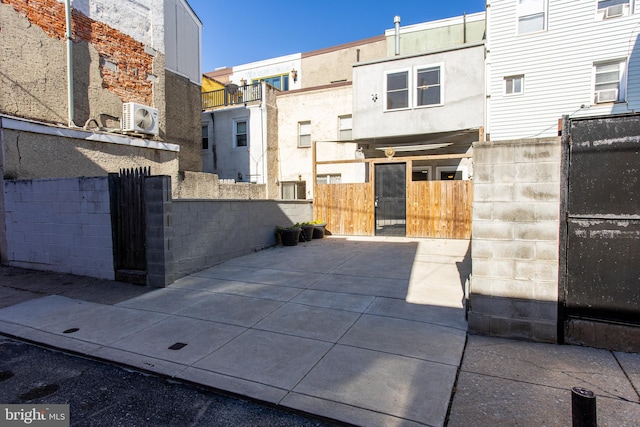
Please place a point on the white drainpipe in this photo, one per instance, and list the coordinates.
(67, 5)
(396, 21)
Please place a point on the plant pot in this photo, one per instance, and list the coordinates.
(290, 237)
(307, 233)
(318, 231)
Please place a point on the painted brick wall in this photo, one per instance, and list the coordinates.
(514, 285)
(61, 225)
(125, 66)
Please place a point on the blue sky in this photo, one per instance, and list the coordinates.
(238, 32)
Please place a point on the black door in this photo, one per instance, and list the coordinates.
(390, 202)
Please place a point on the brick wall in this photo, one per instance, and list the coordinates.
(61, 225)
(514, 285)
(125, 66)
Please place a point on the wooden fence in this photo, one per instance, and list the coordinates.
(435, 209)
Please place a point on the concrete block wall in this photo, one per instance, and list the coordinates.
(514, 285)
(61, 225)
(208, 232)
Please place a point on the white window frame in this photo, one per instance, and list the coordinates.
(414, 86)
(235, 132)
(440, 169)
(510, 81)
(622, 79)
(301, 135)
(345, 123)
(409, 89)
(607, 13)
(527, 11)
(329, 178)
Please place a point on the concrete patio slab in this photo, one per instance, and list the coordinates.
(306, 321)
(199, 337)
(231, 309)
(408, 338)
(275, 359)
(44, 311)
(403, 387)
(360, 285)
(166, 300)
(630, 362)
(234, 287)
(335, 300)
(439, 315)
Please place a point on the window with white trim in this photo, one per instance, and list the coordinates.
(608, 9)
(532, 16)
(428, 86)
(609, 81)
(304, 134)
(329, 179)
(293, 190)
(514, 85)
(205, 137)
(240, 133)
(397, 90)
(345, 127)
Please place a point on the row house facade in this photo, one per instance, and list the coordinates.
(549, 58)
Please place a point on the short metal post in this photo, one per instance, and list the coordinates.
(583, 408)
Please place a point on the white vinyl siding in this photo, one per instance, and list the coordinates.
(558, 65)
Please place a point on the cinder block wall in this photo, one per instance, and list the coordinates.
(61, 225)
(514, 284)
(207, 232)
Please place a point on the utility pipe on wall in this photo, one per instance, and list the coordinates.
(396, 21)
(67, 10)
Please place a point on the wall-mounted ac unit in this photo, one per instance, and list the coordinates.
(613, 11)
(609, 95)
(139, 118)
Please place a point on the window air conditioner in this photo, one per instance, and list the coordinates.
(614, 11)
(139, 118)
(610, 95)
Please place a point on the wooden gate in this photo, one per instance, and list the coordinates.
(434, 209)
(129, 225)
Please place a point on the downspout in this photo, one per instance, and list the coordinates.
(396, 21)
(67, 10)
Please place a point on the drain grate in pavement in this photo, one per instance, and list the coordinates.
(177, 346)
(39, 392)
(71, 330)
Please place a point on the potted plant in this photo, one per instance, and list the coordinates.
(307, 231)
(319, 229)
(288, 236)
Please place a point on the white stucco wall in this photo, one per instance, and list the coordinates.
(250, 161)
(322, 107)
(463, 95)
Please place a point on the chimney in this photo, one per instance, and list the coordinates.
(396, 21)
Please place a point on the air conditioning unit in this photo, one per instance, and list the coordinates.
(139, 118)
(610, 95)
(613, 11)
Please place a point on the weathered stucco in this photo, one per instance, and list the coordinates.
(30, 155)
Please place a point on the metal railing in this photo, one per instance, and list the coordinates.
(231, 95)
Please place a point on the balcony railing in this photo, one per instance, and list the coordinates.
(231, 95)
